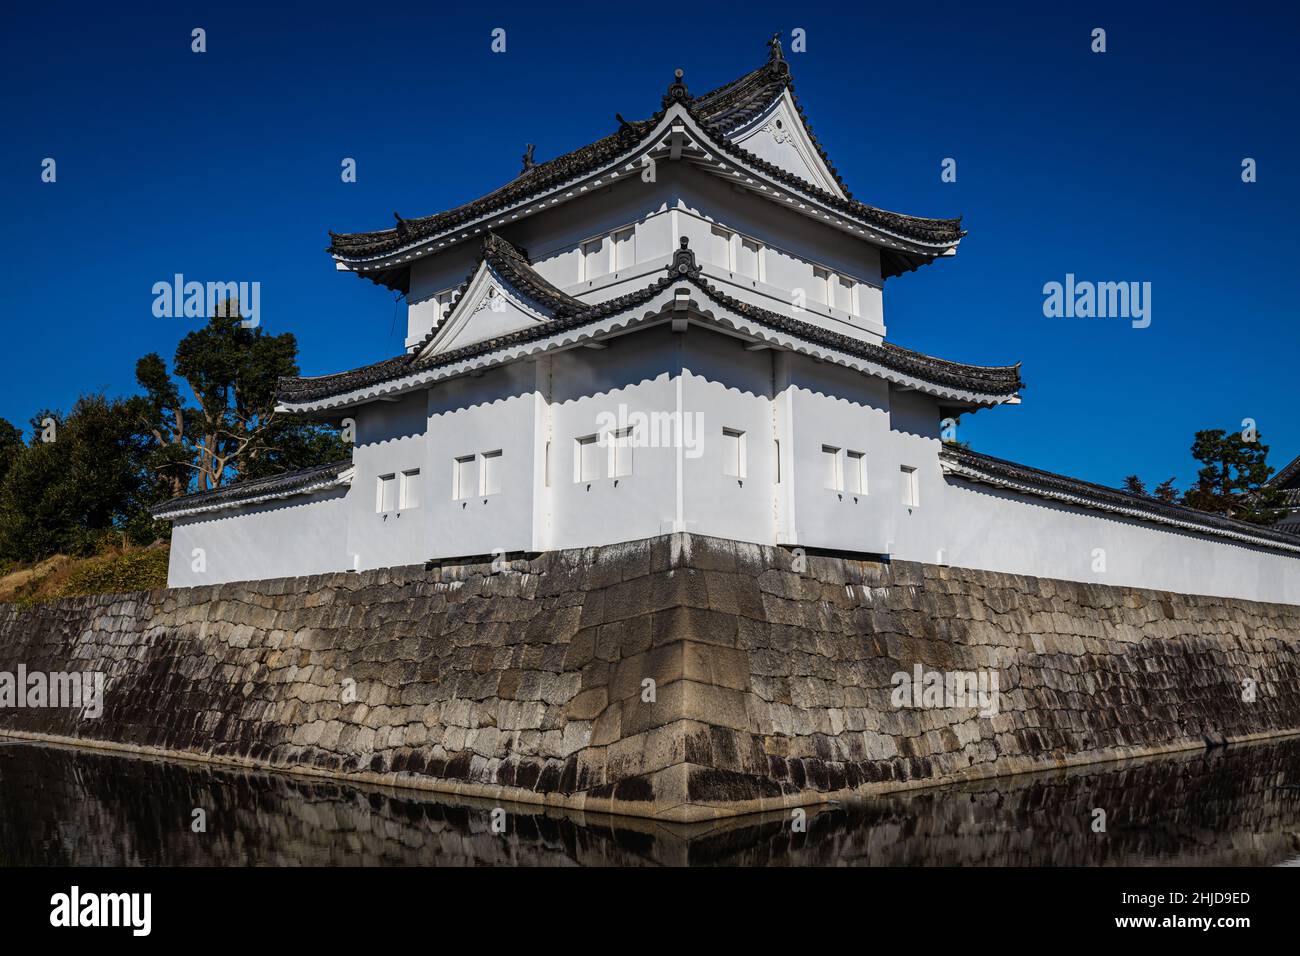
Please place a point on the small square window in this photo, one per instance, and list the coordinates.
(855, 472)
(911, 486)
(720, 247)
(844, 293)
(386, 494)
(748, 257)
(624, 249)
(595, 258)
(620, 453)
(733, 453)
(410, 489)
(832, 468)
(462, 478)
(821, 285)
(490, 473)
(586, 458)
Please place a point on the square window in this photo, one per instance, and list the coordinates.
(386, 494)
(490, 473)
(624, 248)
(595, 259)
(911, 486)
(620, 453)
(586, 458)
(410, 489)
(832, 468)
(821, 285)
(462, 478)
(855, 468)
(844, 293)
(749, 259)
(733, 453)
(720, 247)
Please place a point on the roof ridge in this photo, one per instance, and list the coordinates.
(717, 112)
(240, 490)
(1284, 474)
(999, 380)
(1012, 470)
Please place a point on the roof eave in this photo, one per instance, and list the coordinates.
(391, 267)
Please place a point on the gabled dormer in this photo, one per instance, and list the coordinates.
(503, 294)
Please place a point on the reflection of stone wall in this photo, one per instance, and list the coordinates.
(73, 807)
(772, 687)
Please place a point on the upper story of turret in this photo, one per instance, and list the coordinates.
(737, 171)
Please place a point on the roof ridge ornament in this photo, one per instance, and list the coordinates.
(677, 92)
(683, 263)
(528, 159)
(776, 56)
(403, 228)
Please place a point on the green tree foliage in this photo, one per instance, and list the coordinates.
(1134, 485)
(220, 422)
(1165, 491)
(110, 460)
(1231, 477)
(87, 481)
(11, 445)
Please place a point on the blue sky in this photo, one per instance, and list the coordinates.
(1123, 166)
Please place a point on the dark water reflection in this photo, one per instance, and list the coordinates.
(1239, 806)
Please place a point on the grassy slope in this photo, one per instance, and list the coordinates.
(137, 569)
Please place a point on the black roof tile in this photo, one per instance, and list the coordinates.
(567, 312)
(719, 113)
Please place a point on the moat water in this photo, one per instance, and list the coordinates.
(1238, 806)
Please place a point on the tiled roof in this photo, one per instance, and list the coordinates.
(567, 313)
(1287, 475)
(250, 492)
(511, 264)
(718, 112)
(986, 469)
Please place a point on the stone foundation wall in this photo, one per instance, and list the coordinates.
(772, 675)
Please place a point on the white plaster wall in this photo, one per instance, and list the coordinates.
(389, 439)
(470, 416)
(829, 405)
(640, 374)
(710, 381)
(725, 386)
(1000, 531)
(681, 201)
(289, 538)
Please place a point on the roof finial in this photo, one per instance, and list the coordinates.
(774, 48)
(401, 225)
(677, 92)
(683, 263)
(528, 159)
